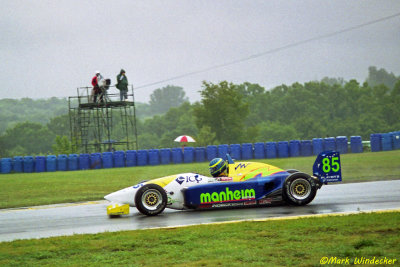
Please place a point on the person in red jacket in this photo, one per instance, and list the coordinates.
(95, 82)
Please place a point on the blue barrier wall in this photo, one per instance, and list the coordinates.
(271, 150)
(386, 142)
(84, 161)
(212, 152)
(40, 164)
(318, 145)
(259, 150)
(283, 149)
(188, 155)
(306, 148)
(119, 159)
(29, 164)
(131, 158)
(247, 151)
(356, 144)
(376, 144)
(142, 157)
(177, 155)
(396, 140)
(5, 165)
(294, 148)
(200, 154)
(107, 160)
(18, 162)
(342, 144)
(329, 143)
(95, 161)
(236, 151)
(165, 156)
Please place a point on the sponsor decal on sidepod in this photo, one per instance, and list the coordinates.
(227, 196)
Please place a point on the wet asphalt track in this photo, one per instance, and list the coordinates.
(78, 218)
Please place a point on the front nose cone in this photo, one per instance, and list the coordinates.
(124, 196)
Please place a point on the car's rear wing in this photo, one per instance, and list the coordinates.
(327, 167)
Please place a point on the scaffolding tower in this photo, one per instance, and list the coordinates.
(103, 125)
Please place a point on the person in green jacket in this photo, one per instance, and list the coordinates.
(122, 85)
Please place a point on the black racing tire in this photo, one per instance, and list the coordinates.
(151, 199)
(292, 171)
(299, 189)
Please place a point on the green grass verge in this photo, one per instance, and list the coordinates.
(28, 189)
(300, 242)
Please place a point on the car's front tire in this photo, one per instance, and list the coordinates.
(151, 199)
(299, 189)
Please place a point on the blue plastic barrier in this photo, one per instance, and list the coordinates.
(259, 150)
(247, 151)
(73, 162)
(5, 165)
(212, 152)
(271, 150)
(356, 144)
(95, 161)
(294, 148)
(342, 144)
(318, 145)
(376, 144)
(222, 151)
(62, 162)
(396, 140)
(387, 142)
(154, 157)
(165, 155)
(51, 163)
(40, 164)
(236, 151)
(84, 161)
(29, 164)
(188, 155)
(283, 149)
(177, 155)
(306, 148)
(18, 163)
(329, 143)
(142, 157)
(119, 159)
(131, 158)
(200, 154)
(107, 160)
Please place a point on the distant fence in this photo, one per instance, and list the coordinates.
(152, 157)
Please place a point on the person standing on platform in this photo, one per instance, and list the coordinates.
(95, 82)
(122, 85)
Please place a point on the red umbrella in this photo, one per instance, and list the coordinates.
(183, 139)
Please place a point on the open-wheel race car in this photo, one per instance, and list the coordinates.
(247, 184)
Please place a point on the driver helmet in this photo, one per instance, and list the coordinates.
(218, 167)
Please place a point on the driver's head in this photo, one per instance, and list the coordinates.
(218, 167)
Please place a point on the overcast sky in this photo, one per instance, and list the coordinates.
(49, 48)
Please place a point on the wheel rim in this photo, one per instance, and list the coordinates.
(151, 199)
(300, 188)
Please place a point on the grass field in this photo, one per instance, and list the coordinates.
(28, 189)
(301, 242)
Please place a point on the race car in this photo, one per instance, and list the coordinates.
(247, 184)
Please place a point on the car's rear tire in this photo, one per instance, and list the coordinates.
(299, 189)
(151, 199)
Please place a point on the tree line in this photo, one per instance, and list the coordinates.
(237, 113)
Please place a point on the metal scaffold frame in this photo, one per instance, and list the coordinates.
(94, 126)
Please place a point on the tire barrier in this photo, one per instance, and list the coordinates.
(152, 157)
